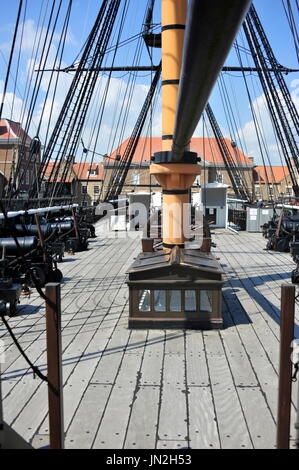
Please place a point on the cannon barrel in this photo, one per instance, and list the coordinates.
(46, 229)
(31, 229)
(26, 244)
(211, 27)
(62, 227)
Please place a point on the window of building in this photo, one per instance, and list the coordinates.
(219, 178)
(238, 181)
(84, 189)
(96, 189)
(136, 178)
(289, 190)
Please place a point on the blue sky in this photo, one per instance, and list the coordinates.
(83, 15)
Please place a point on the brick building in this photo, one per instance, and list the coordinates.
(212, 164)
(83, 181)
(14, 155)
(272, 181)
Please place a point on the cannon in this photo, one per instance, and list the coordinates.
(9, 296)
(283, 235)
(42, 266)
(79, 243)
(281, 231)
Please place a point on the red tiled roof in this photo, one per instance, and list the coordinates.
(274, 174)
(82, 170)
(206, 148)
(79, 170)
(51, 167)
(12, 130)
(146, 147)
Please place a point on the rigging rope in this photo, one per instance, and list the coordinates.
(10, 57)
(118, 175)
(72, 116)
(234, 172)
(32, 150)
(278, 114)
(292, 24)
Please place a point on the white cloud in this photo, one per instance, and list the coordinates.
(31, 36)
(157, 122)
(295, 92)
(112, 131)
(265, 124)
(116, 100)
(29, 62)
(12, 104)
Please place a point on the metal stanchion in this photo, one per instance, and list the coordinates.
(285, 365)
(55, 395)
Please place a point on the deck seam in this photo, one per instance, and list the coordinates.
(136, 390)
(212, 396)
(188, 439)
(157, 439)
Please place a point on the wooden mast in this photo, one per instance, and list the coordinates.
(173, 28)
(175, 179)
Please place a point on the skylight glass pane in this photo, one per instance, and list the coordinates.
(206, 300)
(190, 300)
(160, 300)
(175, 300)
(145, 300)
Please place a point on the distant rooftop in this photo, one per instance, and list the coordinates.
(270, 174)
(82, 171)
(12, 131)
(206, 148)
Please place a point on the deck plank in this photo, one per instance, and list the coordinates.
(75, 342)
(196, 365)
(172, 444)
(121, 385)
(173, 408)
(84, 427)
(142, 429)
(231, 423)
(203, 422)
(151, 370)
(112, 431)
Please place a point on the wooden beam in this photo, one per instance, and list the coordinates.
(54, 352)
(285, 365)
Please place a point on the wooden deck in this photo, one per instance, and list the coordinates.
(154, 389)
